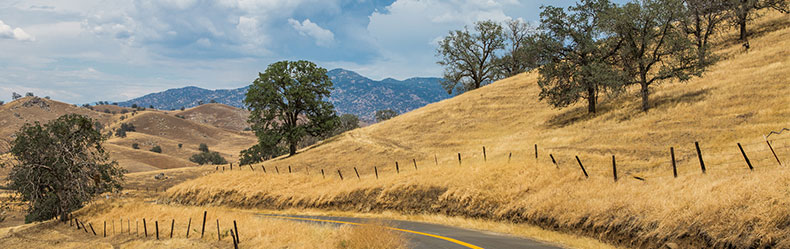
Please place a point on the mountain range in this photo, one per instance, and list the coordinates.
(352, 93)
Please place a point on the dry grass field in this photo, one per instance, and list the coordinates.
(125, 229)
(217, 115)
(739, 100)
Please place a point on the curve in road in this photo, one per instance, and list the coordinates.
(425, 235)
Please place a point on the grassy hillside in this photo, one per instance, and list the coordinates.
(739, 100)
(217, 115)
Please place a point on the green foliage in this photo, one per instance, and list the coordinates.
(156, 149)
(29, 94)
(151, 106)
(208, 158)
(701, 19)
(382, 115)
(521, 55)
(180, 145)
(212, 101)
(61, 165)
(120, 133)
(578, 53)
(654, 47)
(182, 108)
(203, 147)
(347, 122)
(135, 146)
(469, 59)
(260, 152)
(15, 96)
(2, 102)
(287, 103)
(134, 106)
(742, 12)
(106, 110)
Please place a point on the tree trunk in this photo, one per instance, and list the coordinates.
(591, 100)
(645, 92)
(742, 24)
(292, 148)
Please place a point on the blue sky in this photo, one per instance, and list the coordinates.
(80, 51)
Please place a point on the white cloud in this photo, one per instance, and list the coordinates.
(323, 37)
(16, 34)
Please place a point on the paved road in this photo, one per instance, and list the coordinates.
(431, 236)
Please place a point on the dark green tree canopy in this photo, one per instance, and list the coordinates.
(288, 102)
(578, 53)
(470, 59)
(347, 122)
(386, 114)
(61, 165)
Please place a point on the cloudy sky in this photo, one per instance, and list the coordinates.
(80, 51)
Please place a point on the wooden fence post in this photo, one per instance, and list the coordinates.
(156, 225)
(289, 169)
(699, 155)
(340, 174)
(145, 228)
(415, 163)
(745, 157)
(203, 228)
(94, 231)
(554, 161)
(582, 166)
(536, 152)
(772, 151)
(277, 169)
(357, 172)
(322, 174)
(84, 228)
(235, 228)
(231, 166)
(172, 224)
(614, 168)
(136, 227)
(674, 166)
(251, 168)
(188, 226)
(484, 154)
(377, 171)
(435, 159)
(397, 168)
(235, 244)
(218, 237)
(509, 155)
(459, 158)
(105, 229)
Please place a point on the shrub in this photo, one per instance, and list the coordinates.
(208, 158)
(156, 149)
(203, 148)
(180, 145)
(135, 146)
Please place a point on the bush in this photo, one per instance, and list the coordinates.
(180, 145)
(120, 133)
(182, 108)
(134, 106)
(106, 110)
(203, 148)
(156, 149)
(208, 158)
(124, 111)
(135, 146)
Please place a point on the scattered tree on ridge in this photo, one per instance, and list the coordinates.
(520, 55)
(578, 53)
(203, 147)
(287, 104)
(61, 165)
(469, 59)
(15, 96)
(654, 49)
(743, 12)
(156, 149)
(29, 94)
(347, 122)
(382, 115)
(207, 157)
(701, 20)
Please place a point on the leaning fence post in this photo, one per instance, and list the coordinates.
(484, 154)
(235, 244)
(264, 169)
(322, 174)
(674, 166)
(145, 228)
(238, 239)
(172, 224)
(218, 237)
(251, 168)
(156, 225)
(203, 228)
(289, 169)
(554, 161)
(772, 151)
(509, 155)
(356, 172)
(582, 166)
(536, 152)
(459, 158)
(397, 168)
(277, 169)
(435, 159)
(745, 157)
(614, 168)
(699, 155)
(415, 163)
(376, 170)
(94, 231)
(340, 174)
(188, 226)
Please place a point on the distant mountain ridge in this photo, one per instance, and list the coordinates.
(353, 93)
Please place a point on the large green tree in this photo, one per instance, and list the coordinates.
(520, 55)
(287, 103)
(701, 20)
(61, 165)
(744, 11)
(655, 48)
(469, 58)
(578, 52)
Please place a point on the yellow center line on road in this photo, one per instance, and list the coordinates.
(390, 228)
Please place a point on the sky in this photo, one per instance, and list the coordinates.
(82, 51)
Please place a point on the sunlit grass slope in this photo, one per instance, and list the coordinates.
(739, 100)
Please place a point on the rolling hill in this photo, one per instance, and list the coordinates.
(353, 93)
(431, 160)
(218, 126)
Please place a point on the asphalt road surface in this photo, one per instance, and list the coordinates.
(430, 236)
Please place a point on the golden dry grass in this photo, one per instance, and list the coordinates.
(217, 115)
(738, 100)
(124, 229)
